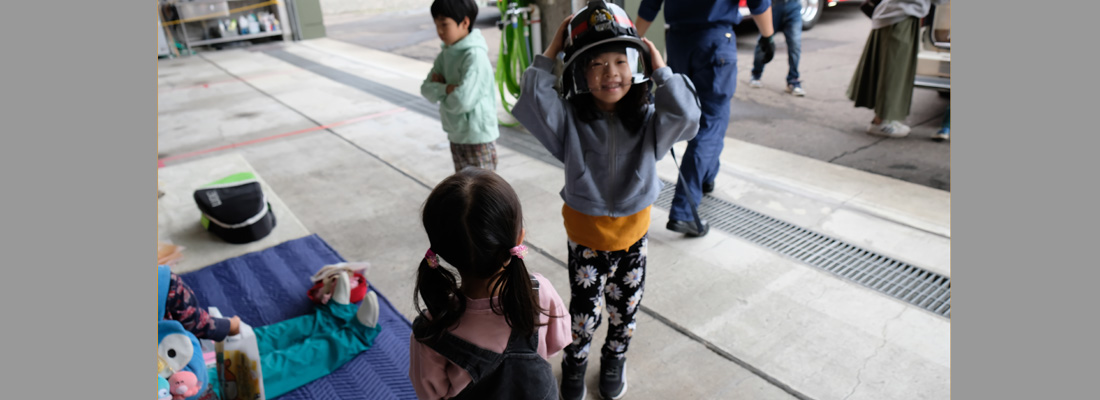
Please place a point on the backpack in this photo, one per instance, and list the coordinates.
(518, 373)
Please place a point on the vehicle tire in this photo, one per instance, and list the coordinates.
(811, 13)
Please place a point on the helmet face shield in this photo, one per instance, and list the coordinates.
(596, 30)
(637, 60)
(611, 60)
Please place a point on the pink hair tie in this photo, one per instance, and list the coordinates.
(433, 260)
(519, 251)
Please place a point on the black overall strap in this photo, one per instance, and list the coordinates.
(478, 362)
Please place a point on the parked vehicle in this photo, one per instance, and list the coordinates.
(811, 10)
(934, 54)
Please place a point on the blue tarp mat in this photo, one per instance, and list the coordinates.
(269, 286)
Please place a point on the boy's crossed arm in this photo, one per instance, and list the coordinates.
(464, 96)
(434, 86)
(437, 78)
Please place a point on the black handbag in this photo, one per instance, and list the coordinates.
(868, 7)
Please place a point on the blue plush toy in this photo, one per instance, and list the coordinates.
(177, 348)
(162, 389)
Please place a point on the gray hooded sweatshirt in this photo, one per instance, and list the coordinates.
(608, 170)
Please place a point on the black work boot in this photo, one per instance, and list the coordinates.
(572, 380)
(688, 227)
(612, 377)
(708, 187)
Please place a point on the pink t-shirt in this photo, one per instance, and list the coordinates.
(434, 377)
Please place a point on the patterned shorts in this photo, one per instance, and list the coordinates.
(482, 155)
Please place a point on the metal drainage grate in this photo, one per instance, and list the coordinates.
(919, 287)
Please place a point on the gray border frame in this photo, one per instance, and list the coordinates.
(80, 221)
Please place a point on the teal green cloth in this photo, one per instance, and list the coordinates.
(214, 383)
(300, 350)
(469, 113)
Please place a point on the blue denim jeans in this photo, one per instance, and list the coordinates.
(786, 18)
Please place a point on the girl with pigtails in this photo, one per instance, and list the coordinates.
(486, 326)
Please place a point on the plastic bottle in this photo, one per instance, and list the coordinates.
(238, 361)
(253, 24)
(243, 23)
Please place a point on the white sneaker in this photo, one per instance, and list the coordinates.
(796, 90)
(941, 135)
(894, 129)
(755, 83)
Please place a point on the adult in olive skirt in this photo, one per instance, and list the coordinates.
(883, 80)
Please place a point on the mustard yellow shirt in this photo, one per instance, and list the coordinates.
(605, 233)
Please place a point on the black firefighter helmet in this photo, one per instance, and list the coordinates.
(598, 27)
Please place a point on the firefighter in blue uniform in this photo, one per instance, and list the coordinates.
(701, 44)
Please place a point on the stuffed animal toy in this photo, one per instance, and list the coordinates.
(163, 389)
(324, 282)
(184, 384)
(177, 349)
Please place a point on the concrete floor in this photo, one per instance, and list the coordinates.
(824, 125)
(723, 318)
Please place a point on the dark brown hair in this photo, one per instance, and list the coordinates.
(456, 10)
(473, 219)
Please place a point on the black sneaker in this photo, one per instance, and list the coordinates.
(572, 380)
(688, 227)
(708, 187)
(612, 377)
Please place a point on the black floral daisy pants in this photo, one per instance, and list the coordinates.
(604, 280)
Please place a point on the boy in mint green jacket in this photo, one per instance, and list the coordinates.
(461, 81)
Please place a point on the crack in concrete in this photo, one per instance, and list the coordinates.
(857, 150)
(818, 223)
(859, 375)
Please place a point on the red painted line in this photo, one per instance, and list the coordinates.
(241, 79)
(162, 161)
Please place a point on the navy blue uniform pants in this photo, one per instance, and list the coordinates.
(708, 57)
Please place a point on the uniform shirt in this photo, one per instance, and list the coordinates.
(700, 12)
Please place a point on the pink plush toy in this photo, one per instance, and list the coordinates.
(184, 384)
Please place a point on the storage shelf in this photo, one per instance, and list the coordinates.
(201, 16)
(236, 38)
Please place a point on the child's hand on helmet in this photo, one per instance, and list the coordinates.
(558, 43)
(657, 61)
